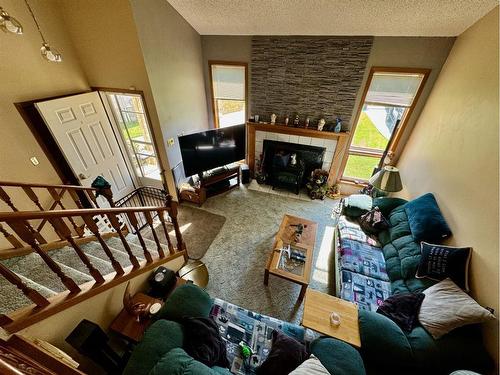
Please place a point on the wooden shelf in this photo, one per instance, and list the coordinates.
(306, 132)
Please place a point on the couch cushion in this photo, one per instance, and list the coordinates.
(159, 339)
(338, 357)
(178, 362)
(187, 300)
(387, 204)
(425, 219)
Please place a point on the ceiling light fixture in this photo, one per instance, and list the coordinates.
(9, 24)
(48, 53)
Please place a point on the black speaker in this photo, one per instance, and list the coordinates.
(161, 282)
(245, 174)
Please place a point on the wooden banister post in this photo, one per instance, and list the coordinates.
(21, 228)
(165, 230)
(113, 219)
(178, 235)
(149, 220)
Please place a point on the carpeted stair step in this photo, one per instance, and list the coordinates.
(150, 244)
(68, 257)
(12, 297)
(94, 248)
(116, 244)
(33, 267)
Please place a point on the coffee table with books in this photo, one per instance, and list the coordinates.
(293, 251)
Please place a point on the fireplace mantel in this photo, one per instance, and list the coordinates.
(341, 139)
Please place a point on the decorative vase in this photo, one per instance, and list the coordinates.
(321, 124)
(273, 119)
(338, 125)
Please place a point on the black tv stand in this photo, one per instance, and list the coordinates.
(214, 172)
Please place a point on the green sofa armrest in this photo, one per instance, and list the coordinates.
(187, 300)
(381, 337)
(178, 362)
(338, 357)
(160, 338)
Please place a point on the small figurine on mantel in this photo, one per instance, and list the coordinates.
(296, 121)
(273, 118)
(338, 125)
(308, 120)
(321, 124)
(287, 119)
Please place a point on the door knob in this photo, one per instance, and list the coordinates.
(81, 176)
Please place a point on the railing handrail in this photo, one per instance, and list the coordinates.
(34, 215)
(29, 184)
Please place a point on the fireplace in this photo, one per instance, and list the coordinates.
(290, 158)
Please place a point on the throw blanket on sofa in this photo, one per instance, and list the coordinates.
(362, 258)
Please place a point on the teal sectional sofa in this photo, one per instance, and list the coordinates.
(385, 348)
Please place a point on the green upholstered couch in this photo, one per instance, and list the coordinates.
(385, 348)
(160, 351)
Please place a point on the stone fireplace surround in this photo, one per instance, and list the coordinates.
(334, 143)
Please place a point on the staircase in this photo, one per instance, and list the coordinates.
(82, 251)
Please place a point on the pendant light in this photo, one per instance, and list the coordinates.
(48, 53)
(9, 24)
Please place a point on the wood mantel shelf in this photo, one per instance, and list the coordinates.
(342, 139)
(283, 129)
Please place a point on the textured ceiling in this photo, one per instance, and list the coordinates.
(332, 17)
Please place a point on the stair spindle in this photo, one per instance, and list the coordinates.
(58, 199)
(29, 292)
(113, 219)
(165, 230)
(133, 221)
(149, 220)
(89, 221)
(21, 227)
(10, 237)
(178, 235)
(61, 227)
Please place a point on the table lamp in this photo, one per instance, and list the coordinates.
(387, 179)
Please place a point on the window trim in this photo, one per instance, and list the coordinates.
(392, 147)
(212, 98)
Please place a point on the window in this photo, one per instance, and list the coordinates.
(229, 82)
(129, 113)
(387, 103)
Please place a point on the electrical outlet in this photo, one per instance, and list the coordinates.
(34, 161)
(170, 142)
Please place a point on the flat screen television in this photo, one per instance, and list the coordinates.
(212, 148)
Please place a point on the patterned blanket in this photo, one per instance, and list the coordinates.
(362, 258)
(350, 230)
(368, 293)
(240, 325)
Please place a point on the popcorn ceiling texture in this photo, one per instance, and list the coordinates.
(309, 76)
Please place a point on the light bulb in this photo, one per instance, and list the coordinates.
(9, 24)
(50, 54)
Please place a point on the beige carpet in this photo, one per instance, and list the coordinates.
(199, 229)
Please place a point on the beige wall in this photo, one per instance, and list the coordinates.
(173, 58)
(224, 48)
(453, 152)
(25, 75)
(105, 37)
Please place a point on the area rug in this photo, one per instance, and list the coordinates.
(199, 229)
(237, 257)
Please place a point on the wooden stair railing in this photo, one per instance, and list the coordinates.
(20, 223)
(57, 193)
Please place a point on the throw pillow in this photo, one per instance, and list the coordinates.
(403, 309)
(286, 354)
(425, 219)
(446, 307)
(311, 366)
(203, 342)
(356, 205)
(439, 262)
(373, 222)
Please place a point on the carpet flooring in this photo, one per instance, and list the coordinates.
(237, 257)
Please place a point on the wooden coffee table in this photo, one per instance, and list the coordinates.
(317, 310)
(285, 236)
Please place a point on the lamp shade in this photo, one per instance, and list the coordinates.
(387, 179)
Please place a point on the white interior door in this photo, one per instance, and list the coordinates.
(82, 129)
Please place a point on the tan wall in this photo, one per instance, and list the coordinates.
(453, 152)
(172, 54)
(101, 309)
(224, 48)
(105, 37)
(25, 75)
